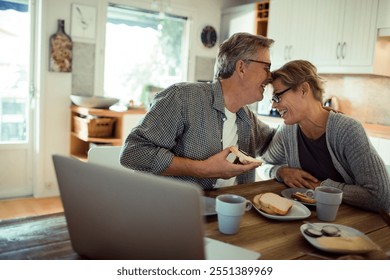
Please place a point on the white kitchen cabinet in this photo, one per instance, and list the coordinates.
(238, 19)
(383, 14)
(382, 49)
(291, 25)
(344, 38)
(251, 18)
(384, 150)
(382, 146)
(375, 142)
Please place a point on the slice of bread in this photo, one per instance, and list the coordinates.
(242, 157)
(272, 203)
(303, 197)
(258, 205)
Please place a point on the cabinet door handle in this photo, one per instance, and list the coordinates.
(343, 50)
(289, 52)
(338, 50)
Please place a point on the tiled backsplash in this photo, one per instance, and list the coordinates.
(363, 97)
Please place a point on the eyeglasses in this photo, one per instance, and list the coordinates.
(276, 97)
(262, 62)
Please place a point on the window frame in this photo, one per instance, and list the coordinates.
(179, 10)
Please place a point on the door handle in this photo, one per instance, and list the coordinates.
(338, 50)
(343, 50)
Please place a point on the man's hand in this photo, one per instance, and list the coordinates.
(216, 166)
(298, 178)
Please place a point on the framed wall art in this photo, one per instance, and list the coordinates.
(83, 23)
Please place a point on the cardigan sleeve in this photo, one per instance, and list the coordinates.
(367, 183)
(274, 158)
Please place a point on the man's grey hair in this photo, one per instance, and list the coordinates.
(240, 45)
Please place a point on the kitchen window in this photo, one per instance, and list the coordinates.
(14, 70)
(145, 51)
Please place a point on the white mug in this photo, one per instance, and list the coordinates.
(328, 200)
(230, 208)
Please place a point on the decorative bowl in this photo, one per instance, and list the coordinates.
(99, 102)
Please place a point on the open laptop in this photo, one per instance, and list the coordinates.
(106, 155)
(116, 214)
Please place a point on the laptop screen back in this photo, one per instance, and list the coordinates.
(116, 214)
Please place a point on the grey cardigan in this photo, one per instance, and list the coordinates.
(366, 181)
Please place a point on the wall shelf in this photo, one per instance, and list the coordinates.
(261, 22)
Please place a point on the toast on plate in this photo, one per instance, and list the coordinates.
(303, 198)
(272, 204)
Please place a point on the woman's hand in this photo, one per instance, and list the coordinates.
(298, 178)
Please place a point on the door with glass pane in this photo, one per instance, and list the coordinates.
(15, 77)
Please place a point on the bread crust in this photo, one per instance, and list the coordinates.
(258, 205)
(256, 200)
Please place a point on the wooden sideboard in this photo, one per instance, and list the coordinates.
(124, 121)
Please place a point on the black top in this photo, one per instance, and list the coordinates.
(315, 158)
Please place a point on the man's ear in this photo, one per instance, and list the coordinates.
(240, 67)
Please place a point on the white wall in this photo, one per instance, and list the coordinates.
(53, 118)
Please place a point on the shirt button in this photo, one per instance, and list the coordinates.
(224, 119)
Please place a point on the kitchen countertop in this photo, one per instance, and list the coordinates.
(373, 130)
(376, 130)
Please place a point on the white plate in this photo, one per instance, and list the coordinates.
(297, 212)
(209, 206)
(288, 192)
(345, 232)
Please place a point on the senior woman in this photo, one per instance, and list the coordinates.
(317, 146)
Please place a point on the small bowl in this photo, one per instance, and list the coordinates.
(99, 102)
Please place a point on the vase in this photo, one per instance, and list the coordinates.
(60, 50)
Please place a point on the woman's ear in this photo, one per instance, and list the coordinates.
(305, 88)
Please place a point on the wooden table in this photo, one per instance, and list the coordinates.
(46, 237)
(282, 240)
